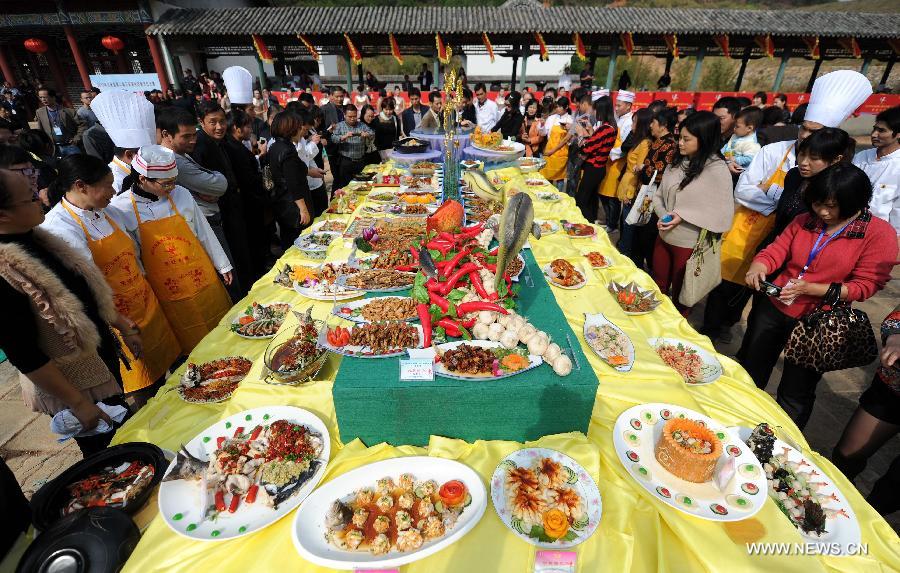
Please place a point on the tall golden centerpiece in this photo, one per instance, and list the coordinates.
(453, 99)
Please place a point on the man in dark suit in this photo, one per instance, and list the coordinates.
(413, 115)
(333, 112)
(60, 123)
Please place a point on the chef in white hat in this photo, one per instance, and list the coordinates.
(238, 85)
(128, 119)
(179, 251)
(834, 97)
(624, 101)
(597, 94)
(616, 163)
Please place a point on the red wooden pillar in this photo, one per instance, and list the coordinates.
(79, 58)
(6, 67)
(158, 63)
(122, 62)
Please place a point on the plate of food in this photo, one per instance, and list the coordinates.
(359, 187)
(383, 197)
(411, 145)
(536, 182)
(471, 164)
(213, 381)
(549, 196)
(392, 259)
(803, 492)
(579, 230)
(122, 477)
(325, 290)
(547, 227)
(381, 280)
(409, 209)
(418, 197)
(423, 167)
(503, 146)
(563, 274)
(485, 139)
(296, 358)
(546, 498)
(389, 513)
(372, 340)
(529, 164)
(244, 473)
(633, 299)
(696, 365)
(690, 462)
(290, 274)
(515, 267)
(330, 226)
(378, 309)
(315, 245)
(260, 320)
(609, 342)
(482, 360)
(364, 175)
(598, 260)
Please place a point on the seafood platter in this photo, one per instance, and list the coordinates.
(633, 299)
(696, 365)
(609, 342)
(296, 358)
(260, 320)
(598, 260)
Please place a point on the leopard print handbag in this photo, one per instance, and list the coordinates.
(832, 337)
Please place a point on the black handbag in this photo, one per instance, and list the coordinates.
(832, 337)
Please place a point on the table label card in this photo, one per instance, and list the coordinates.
(554, 562)
(377, 570)
(417, 369)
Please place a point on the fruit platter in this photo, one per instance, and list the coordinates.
(260, 320)
(546, 498)
(389, 513)
(213, 381)
(371, 340)
(244, 473)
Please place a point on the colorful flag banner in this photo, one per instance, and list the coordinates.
(627, 43)
(812, 42)
(488, 46)
(355, 56)
(395, 49)
(766, 44)
(722, 42)
(261, 50)
(542, 47)
(851, 45)
(309, 46)
(444, 52)
(672, 44)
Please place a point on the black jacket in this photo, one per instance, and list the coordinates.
(386, 132)
(211, 155)
(510, 123)
(288, 172)
(409, 119)
(246, 170)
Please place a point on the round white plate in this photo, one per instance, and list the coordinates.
(385, 201)
(534, 183)
(635, 435)
(315, 228)
(387, 289)
(538, 164)
(179, 500)
(578, 479)
(336, 311)
(441, 370)
(578, 267)
(429, 207)
(591, 236)
(359, 351)
(515, 147)
(303, 244)
(841, 529)
(554, 226)
(609, 262)
(711, 369)
(599, 320)
(343, 295)
(236, 321)
(308, 530)
(548, 196)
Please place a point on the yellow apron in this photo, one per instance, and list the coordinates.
(555, 169)
(182, 276)
(116, 258)
(748, 230)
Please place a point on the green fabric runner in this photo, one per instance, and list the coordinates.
(374, 405)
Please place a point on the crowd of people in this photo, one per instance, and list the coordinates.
(183, 200)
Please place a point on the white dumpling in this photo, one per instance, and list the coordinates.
(486, 317)
(481, 331)
(537, 344)
(562, 365)
(495, 331)
(553, 350)
(509, 339)
(526, 332)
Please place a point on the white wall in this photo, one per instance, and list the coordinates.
(219, 64)
(502, 66)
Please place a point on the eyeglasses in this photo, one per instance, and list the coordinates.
(164, 182)
(26, 171)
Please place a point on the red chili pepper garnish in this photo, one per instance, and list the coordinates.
(469, 324)
(494, 251)
(235, 500)
(475, 279)
(220, 501)
(444, 235)
(451, 327)
(491, 267)
(405, 268)
(255, 433)
(455, 261)
(219, 441)
(437, 299)
(251, 494)
(476, 306)
(238, 431)
(433, 285)
(457, 274)
(494, 296)
(425, 321)
(476, 228)
(415, 254)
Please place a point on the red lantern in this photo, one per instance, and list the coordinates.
(36, 45)
(112, 43)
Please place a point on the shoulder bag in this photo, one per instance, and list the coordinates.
(642, 208)
(704, 269)
(832, 337)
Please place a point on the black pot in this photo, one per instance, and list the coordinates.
(49, 501)
(364, 177)
(419, 147)
(95, 540)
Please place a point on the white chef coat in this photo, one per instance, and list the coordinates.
(555, 120)
(160, 209)
(120, 171)
(307, 150)
(747, 192)
(884, 173)
(487, 115)
(59, 222)
(623, 124)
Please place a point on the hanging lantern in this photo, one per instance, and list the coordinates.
(36, 45)
(112, 43)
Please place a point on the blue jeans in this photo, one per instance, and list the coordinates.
(626, 231)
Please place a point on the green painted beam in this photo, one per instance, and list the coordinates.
(698, 69)
(865, 66)
(349, 73)
(776, 86)
(611, 71)
(263, 84)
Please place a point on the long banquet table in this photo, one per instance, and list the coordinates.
(636, 533)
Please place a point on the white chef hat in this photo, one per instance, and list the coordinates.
(239, 84)
(625, 95)
(127, 117)
(835, 96)
(597, 94)
(155, 162)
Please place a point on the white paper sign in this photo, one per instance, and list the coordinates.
(416, 369)
(128, 82)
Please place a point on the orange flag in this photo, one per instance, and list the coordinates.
(487, 45)
(627, 43)
(444, 52)
(355, 56)
(261, 50)
(542, 46)
(309, 46)
(395, 49)
(672, 45)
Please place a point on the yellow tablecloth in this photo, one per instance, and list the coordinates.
(636, 532)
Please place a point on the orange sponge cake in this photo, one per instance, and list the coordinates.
(688, 450)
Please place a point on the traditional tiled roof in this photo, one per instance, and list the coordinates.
(523, 19)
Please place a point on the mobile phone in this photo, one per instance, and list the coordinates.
(770, 289)
(667, 218)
